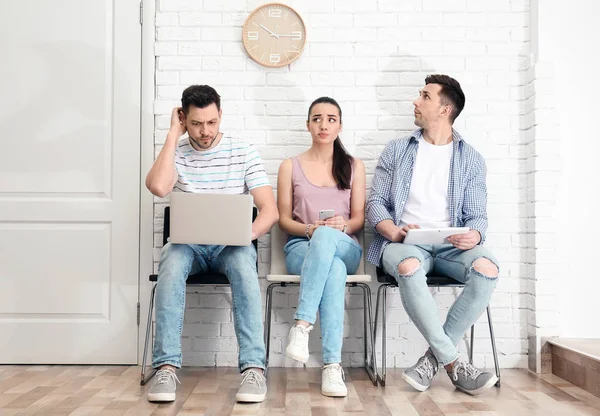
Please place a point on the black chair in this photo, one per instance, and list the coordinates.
(206, 279)
(432, 281)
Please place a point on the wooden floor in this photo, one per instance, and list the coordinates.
(112, 391)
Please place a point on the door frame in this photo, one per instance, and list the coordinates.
(146, 258)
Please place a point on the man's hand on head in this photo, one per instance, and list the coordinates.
(177, 121)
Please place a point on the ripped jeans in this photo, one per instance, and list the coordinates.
(445, 260)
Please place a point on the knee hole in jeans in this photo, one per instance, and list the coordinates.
(485, 267)
(408, 267)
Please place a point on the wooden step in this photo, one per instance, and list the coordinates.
(577, 361)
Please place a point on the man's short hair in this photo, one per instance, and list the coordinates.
(451, 93)
(200, 96)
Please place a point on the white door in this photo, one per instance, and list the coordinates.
(69, 180)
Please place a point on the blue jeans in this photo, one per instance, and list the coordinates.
(177, 261)
(323, 264)
(445, 260)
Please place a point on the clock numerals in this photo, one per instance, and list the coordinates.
(274, 58)
(297, 35)
(252, 35)
(274, 12)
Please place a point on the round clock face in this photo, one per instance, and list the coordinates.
(274, 35)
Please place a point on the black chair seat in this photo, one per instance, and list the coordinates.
(201, 279)
(432, 281)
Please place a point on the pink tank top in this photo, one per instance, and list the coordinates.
(309, 199)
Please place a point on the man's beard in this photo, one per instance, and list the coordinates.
(200, 146)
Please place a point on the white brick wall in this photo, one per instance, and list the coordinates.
(371, 56)
(542, 169)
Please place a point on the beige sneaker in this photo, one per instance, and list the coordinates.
(253, 387)
(422, 373)
(469, 379)
(332, 381)
(163, 388)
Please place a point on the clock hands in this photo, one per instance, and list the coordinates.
(295, 35)
(272, 34)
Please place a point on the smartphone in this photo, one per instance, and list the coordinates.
(326, 213)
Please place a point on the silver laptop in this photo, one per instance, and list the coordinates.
(211, 219)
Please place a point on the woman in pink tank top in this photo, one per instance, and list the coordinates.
(321, 247)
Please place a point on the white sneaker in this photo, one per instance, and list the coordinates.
(297, 347)
(332, 381)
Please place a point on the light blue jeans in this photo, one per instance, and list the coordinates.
(177, 261)
(445, 260)
(323, 263)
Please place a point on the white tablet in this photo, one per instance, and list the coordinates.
(432, 235)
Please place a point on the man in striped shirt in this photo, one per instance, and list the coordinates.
(434, 179)
(209, 161)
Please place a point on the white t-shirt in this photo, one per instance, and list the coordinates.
(234, 166)
(427, 204)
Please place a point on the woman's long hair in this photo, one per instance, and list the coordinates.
(342, 161)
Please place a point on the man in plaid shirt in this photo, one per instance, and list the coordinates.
(434, 179)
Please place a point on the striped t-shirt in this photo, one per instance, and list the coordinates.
(232, 167)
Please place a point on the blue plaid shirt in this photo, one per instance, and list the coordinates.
(467, 192)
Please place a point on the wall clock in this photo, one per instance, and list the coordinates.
(274, 35)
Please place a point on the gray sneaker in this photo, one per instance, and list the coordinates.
(469, 379)
(422, 373)
(253, 388)
(163, 388)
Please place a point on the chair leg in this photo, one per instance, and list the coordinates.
(472, 343)
(269, 304)
(143, 379)
(384, 335)
(368, 333)
(489, 314)
(370, 314)
(364, 322)
(374, 358)
(381, 298)
(370, 304)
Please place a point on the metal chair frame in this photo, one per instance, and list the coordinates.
(432, 281)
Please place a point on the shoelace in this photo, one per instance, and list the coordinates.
(164, 376)
(335, 373)
(301, 337)
(251, 377)
(467, 369)
(425, 368)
